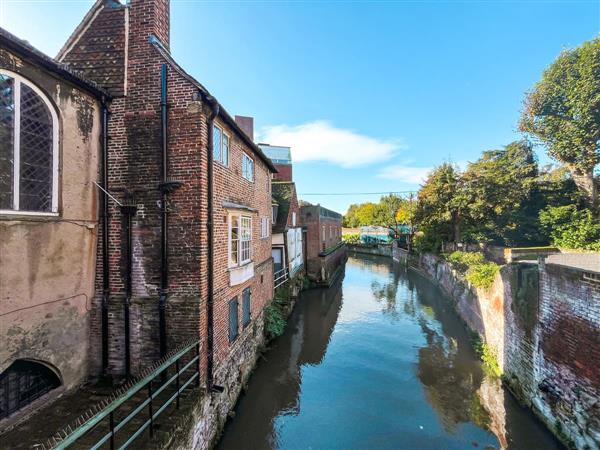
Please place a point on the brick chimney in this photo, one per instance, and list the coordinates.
(247, 125)
(149, 17)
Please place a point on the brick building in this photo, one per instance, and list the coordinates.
(287, 241)
(50, 152)
(325, 252)
(183, 257)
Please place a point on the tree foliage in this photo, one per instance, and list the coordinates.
(562, 112)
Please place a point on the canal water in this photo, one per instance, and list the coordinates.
(377, 361)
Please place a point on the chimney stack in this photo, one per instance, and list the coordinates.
(247, 125)
(149, 17)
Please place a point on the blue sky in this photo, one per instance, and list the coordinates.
(370, 95)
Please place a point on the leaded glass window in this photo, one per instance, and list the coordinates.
(28, 153)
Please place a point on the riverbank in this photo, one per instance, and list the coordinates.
(540, 326)
(379, 360)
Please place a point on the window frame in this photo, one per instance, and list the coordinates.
(265, 224)
(246, 308)
(246, 157)
(18, 80)
(223, 134)
(240, 216)
(233, 333)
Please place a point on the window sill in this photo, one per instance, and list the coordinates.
(240, 274)
(16, 214)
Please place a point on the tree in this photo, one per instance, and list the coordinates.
(388, 210)
(441, 204)
(497, 189)
(562, 112)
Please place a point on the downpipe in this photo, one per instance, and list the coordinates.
(105, 252)
(129, 210)
(164, 189)
(210, 225)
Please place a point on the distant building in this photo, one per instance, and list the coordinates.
(287, 242)
(325, 252)
(50, 158)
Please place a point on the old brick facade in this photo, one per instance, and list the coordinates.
(325, 253)
(138, 35)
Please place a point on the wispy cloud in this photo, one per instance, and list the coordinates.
(405, 173)
(322, 141)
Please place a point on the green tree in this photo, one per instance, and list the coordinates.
(440, 204)
(562, 112)
(498, 188)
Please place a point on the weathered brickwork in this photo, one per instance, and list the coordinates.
(544, 327)
(323, 232)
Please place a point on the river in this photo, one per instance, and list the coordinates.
(377, 361)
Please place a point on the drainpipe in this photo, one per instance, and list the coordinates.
(164, 238)
(105, 262)
(209, 304)
(129, 210)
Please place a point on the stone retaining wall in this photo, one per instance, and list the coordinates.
(543, 324)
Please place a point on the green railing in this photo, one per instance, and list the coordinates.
(151, 405)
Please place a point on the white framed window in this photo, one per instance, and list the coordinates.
(247, 167)
(265, 224)
(293, 218)
(28, 148)
(240, 239)
(220, 146)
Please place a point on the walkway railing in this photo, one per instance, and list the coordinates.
(150, 403)
(280, 277)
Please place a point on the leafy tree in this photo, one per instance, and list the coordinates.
(440, 205)
(569, 227)
(562, 112)
(389, 205)
(498, 188)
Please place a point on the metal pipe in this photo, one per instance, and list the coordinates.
(209, 304)
(164, 245)
(105, 253)
(129, 210)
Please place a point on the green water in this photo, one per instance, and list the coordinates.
(378, 361)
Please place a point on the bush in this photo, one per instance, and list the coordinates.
(571, 228)
(482, 275)
(427, 243)
(488, 356)
(275, 313)
(476, 269)
(351, 238)
(461, 261)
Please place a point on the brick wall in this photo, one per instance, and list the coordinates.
(284, 172)
(135, 171)
(543, 324)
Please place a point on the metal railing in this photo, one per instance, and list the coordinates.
(280, 277)
(182, 360)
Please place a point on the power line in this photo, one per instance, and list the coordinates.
(358, 193)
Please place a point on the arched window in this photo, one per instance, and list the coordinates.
(28, 148)
(23, 382)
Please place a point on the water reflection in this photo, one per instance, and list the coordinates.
(377, 361)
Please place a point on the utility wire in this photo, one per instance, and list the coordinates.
(358, 193)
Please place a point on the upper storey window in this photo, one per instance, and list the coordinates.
(28, 148)
(247, 167)
(220, 146)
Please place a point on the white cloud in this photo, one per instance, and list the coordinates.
(405, 173)
(321, 141)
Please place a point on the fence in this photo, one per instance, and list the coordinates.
(280, 277)
(151, 394)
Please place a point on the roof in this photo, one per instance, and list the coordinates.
(277, 154)
(222, 112)
(27, 51)
(283, 194)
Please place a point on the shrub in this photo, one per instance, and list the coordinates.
(488, 356)
(427, 242)
(569, 227)
(351, 238)
(275, 313)
(482, 275)
(476, 269)
(461, 261)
